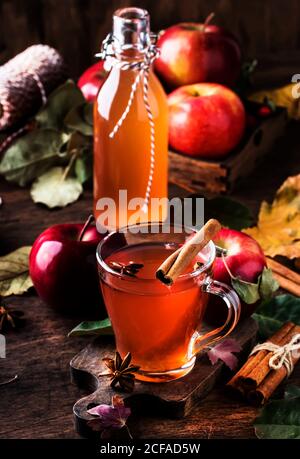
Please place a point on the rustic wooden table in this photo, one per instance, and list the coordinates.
(39, 404)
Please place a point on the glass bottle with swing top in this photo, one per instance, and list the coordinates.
(130, 128)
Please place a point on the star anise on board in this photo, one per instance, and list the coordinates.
(10, 318)
(121, 371)
(131, 269)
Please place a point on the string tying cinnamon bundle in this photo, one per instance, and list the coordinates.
(281, 355)
(268, 365)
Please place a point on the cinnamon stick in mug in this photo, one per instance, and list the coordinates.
(178, 261)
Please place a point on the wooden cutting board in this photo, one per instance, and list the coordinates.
(174, 399)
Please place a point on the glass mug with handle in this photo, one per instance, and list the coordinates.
(161, 326)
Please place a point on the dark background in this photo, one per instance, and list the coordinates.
(268, 30)
(39, 404)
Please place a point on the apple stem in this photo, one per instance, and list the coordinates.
(220, 250)
(208, 20)
(85, 227)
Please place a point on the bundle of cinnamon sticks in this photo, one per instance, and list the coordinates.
(287, 279)
(256, 381)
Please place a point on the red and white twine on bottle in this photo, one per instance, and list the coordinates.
(143, 68)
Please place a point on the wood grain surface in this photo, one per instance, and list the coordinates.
(175, 399)
(39, 404)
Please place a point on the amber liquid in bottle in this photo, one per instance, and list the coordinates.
(123, 162)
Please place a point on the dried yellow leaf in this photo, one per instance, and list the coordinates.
(14, 272)
(278, 226)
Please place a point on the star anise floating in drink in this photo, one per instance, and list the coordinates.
(121, 371)
(10, 318)
(131, 269)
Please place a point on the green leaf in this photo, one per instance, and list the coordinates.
(77, 119)
(280, 419)
(250, 293)
(272, 313)
(84, 167)
(266, 325)
(282, 307)
(31, 155)
(60, 102)
(96, 327)
(267, 284)
(291, 391)
(88, 113)
(229, 212)
(247, 291)
(79, 142)
(82, 147)
(14, 272)
(53, 190)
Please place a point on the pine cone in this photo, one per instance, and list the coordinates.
(26, 80)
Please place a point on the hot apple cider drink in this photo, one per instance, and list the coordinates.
(161, 326)
(130, 125)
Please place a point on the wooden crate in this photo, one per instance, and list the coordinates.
(215, 177)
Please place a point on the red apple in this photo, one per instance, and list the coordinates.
(194, 53)
(63, 269)
(244, 259)
(91, 81)
(205, 120)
